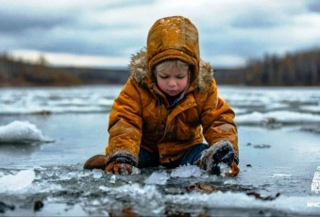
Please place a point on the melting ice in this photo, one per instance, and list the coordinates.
(186, 171)
(159, 178)
(18, 182)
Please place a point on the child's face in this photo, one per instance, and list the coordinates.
(172, 81)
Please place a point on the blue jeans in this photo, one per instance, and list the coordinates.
(191, 156)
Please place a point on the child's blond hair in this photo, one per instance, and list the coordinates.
(169, 64)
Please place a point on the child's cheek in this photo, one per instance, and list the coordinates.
(161, 84)
(183, 83)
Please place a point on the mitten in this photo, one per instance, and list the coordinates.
(120, 163)
(218, 159)
(119, 168)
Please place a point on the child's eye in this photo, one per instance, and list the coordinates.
(180, 77)
(164, 77)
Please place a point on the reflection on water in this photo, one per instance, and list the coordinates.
(19, 149)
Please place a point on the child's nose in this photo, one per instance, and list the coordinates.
(172, 82)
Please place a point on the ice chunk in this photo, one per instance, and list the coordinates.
(21, 132)
(141, 195)
(186, 171)
(97, 174)
(315, 185)
(135, 171)
(113, 179)
(158, 178)
(287, 117)
(66, 175)
(21, 180)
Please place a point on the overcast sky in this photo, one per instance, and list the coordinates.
(104, 33)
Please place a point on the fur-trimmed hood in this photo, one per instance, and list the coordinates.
(139, 71)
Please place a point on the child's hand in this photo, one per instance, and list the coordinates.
(119, 168)
(220, 159)
(234, 170)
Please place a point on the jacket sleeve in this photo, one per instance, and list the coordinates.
(125, 125)
(217, 120)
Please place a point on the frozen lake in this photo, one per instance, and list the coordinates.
(46, 134)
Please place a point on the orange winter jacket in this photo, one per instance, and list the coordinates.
(141, 116)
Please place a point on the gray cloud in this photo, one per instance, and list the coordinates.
(117, 29)
(259, 19)
(126, 4)
(235, 46)
(74, 41)
(14, 24)
(314, 6)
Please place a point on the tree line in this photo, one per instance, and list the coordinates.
(301, 68)
(19, 72)
(292, 69)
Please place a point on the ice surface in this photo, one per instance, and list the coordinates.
(18, 182)
(269, 172)
(315, 185)
(286, 117)
(186, 171)
(57, 100)
(21, 132)
(294, 204)
(147, 198)
(159, 178)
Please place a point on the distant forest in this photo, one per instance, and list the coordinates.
(292, 69)
(18, 72)
(302, 68)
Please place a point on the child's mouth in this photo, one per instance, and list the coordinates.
(172, 92)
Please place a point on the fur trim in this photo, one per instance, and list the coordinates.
(205, 75)
(139, 71)
(139, 66)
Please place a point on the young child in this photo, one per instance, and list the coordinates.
(167, 106)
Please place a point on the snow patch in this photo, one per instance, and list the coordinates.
(281, 175)
(18, 182)
(293, 204)
(286, 117)
(311, 108)
(21, 132)
(315, 185)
